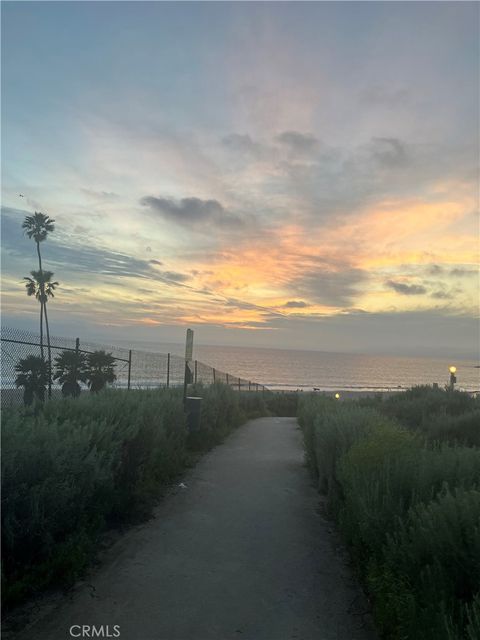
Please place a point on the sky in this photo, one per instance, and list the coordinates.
(295, 175)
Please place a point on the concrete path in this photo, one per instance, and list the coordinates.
(240, 554)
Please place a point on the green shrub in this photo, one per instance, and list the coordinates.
(329, 430)
(422, 403)
(252, 404)
(56, 486)
(374, 478)
(408, 507)
(83, 464)
(310, 408)
(282, 403)
(383, 475)
(335, 431)
(463, 428)
(434, 560)
(220, 413)
(473, 619)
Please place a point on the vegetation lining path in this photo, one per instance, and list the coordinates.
(240, 553)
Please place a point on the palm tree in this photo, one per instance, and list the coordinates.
(41, 286)
(100, 370)
(71, 368)
(38, 227)
(32, 376)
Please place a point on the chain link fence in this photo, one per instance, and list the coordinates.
(133, 369)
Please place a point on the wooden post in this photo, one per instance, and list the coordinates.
(168, 370)
(239, 385)
(129, 367)
(195, 372)
(249, 385)
(227, 378)
(213, 370)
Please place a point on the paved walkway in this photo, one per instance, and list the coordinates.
(239, 554)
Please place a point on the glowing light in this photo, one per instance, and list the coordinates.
(337, 396)
(453, 369)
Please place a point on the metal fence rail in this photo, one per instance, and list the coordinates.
(134, 369)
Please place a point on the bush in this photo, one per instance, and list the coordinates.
(223, 409)
(81, 465)
(220, 413)
(387, 473)
(56, 489)
(329, 430)
(311, 407)
(426, 585)
(422, 403)
(463, 428)
(282, 403)
(252, 405)
(408, 508)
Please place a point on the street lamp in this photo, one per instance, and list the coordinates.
(337, 396)
(453, 377)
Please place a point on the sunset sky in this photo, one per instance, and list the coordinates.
(297, 175)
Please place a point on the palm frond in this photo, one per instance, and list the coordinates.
(38, 226)
(31, 286)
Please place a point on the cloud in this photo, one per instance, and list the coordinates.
(441, 295)
(425, 332)
(385, 96)
(80, 258)
(156, 262)
(296, 304)
(406, 289)
(235, 303)
(456, 272)
(390, 152)
(100, 195)
(336, 288)
(174, 276)
(303, 143)
(460, 273)
(435, 270)
(243, 144)
(190, 211)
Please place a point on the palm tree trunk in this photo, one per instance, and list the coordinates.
(49, 351)
(42, 297)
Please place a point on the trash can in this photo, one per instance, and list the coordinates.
(193, 407)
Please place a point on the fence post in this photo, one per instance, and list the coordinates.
(195, 372)
(129, 367)
(227, 379)
(239, 385)
(168, 370)
(213, 371)
(77, 349)
(249, 385)
(256, 387)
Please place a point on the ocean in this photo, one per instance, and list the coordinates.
(293, 369)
